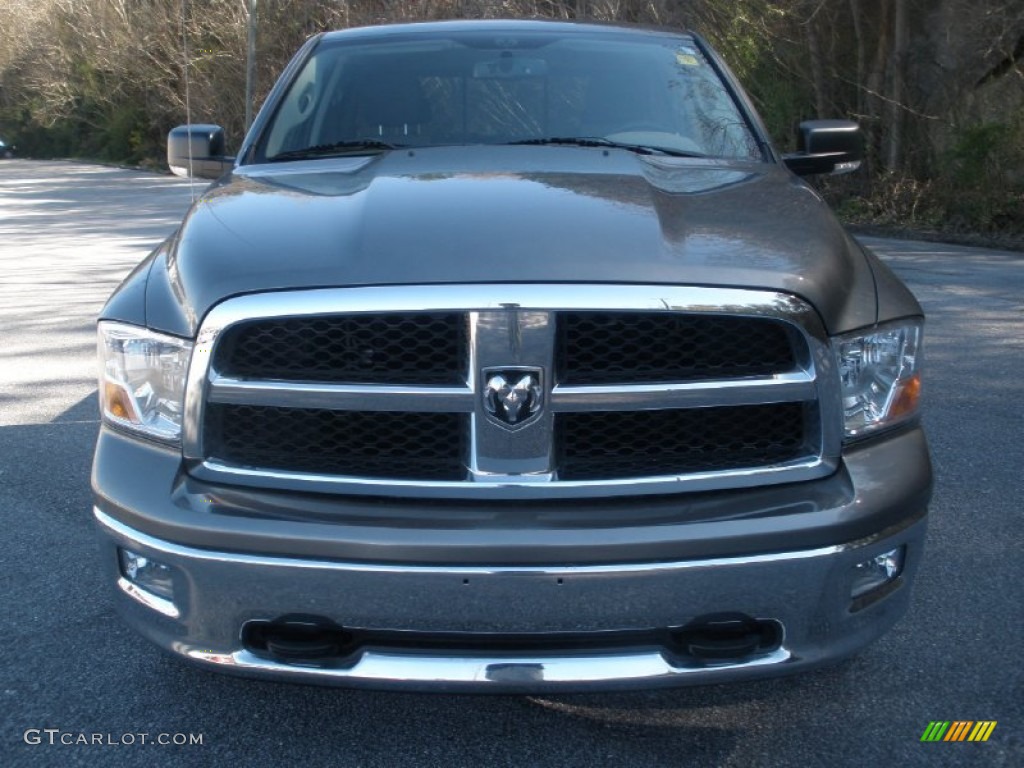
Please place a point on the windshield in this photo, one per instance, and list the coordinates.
(361, 96)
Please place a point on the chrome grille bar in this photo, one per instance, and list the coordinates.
(775, 389)
(382, 397)
(341, 397)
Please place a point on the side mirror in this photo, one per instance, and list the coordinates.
(198, 150)
(826, 146)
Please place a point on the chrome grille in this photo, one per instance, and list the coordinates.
(644, 389)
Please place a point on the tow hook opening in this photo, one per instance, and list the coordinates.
(727, 637)
(298, 638)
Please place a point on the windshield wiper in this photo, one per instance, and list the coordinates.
(335, 149)
(597, 141)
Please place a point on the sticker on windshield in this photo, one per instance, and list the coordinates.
(687, 58)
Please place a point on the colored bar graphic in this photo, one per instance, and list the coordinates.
(935, 730)
(982, 730)
(958, 730)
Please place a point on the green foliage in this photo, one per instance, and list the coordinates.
(984, 175)
(978, 186)
(977, 152)
(892, 199)
(781, 101)
(121, 137)
(762, 61)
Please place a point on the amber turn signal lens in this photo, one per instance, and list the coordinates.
(907, 399)
(116, 402)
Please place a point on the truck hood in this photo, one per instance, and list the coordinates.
(506, 215)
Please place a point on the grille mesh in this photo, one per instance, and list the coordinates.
(645, 443)
(394, 348)
(414, 446)
(629, 348)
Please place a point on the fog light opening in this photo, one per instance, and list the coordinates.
(147, 580)
(878, 572)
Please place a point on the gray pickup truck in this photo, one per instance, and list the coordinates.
(510, 356)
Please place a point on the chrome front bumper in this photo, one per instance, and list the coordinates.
(806, 591)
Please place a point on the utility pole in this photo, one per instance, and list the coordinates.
(250, 65)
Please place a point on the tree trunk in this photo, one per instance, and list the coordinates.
(874, 84)
(858, 38)
(897, 67)
(817, 66)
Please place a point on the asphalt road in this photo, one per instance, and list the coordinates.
(69, 233)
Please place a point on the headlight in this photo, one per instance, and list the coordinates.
(142, 379)
(881, 379)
